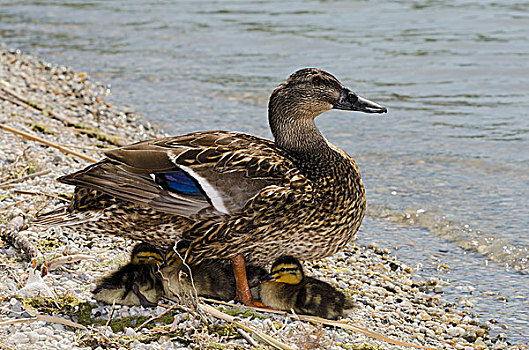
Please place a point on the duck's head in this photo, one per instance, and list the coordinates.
(306, 94)
(286, 269)
(147, 254)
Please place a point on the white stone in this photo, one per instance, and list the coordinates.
(455, 331)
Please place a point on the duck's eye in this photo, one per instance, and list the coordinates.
(352, 97)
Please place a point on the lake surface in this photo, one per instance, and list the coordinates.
(446, 171)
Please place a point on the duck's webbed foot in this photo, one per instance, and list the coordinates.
(243, 293)
(143, 300)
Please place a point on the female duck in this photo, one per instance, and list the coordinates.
(287, 288)
(234, 195)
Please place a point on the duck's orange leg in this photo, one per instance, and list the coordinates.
(243, 293)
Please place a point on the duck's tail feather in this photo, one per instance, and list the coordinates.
(63, 217)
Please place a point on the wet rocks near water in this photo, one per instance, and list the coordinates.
(67, 108)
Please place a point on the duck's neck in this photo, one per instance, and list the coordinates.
(298, 136)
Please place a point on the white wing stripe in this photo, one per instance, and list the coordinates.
(211, 192)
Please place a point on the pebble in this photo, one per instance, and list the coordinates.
(455, 331)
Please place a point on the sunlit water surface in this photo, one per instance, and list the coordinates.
(446, 171)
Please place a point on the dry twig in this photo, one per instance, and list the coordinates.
(51, 195)
(47, 143)
(13, 237)
(46, 318)
(261, 336)
(338, 324)
(34, 106)
(24, 178)
(68, 259)
(15, 204)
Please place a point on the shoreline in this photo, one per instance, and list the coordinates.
(65, 107)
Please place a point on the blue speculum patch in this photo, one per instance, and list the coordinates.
(178, 181)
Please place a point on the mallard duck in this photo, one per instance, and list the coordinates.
(210, 278)
(234, 195)
(136, 283)
(287, 288)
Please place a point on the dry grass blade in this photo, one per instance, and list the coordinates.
(51, 195)
(34, 106)
(24, 178)
(15, 204)
(45, 318)
(59, 320)
(361, 330)
(263, 337)
(18, 320)
(68, 259)
(338, 324)
(155, 317)
(111, 314)
(47, 143)
(248, 338)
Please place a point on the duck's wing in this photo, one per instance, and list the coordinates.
(201, 172)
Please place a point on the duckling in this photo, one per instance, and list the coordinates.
(212, 278)
(287, 287)
(140, 276)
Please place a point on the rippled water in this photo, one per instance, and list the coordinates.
(447, 169)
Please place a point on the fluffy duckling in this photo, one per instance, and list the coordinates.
(287, 287)
(136, 283)
(211, 278)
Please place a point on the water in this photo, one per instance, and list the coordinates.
(447, 169)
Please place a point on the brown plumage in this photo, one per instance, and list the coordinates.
(232, 194)
(287, 288)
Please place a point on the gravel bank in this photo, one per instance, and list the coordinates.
(67, 108)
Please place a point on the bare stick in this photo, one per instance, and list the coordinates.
(51, 319)
(111, 314)
(261, 336)
(155, 317)
(15, 204)
(13, 236)
(18, 103)
(54, 115)
(248, 338)
(18, 320)
(24, 178)
(68, 259)
(326, 322)
(47, 143)
(41, 194)
(23, 102)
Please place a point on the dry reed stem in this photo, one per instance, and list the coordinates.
(32, 193)
(46, 318)
(54, 115)
(24, 178)
(261, 336)
(68, 259)
(47, 143)
(332, 323)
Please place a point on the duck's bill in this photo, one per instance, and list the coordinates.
(271, 277)
(350, 101)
